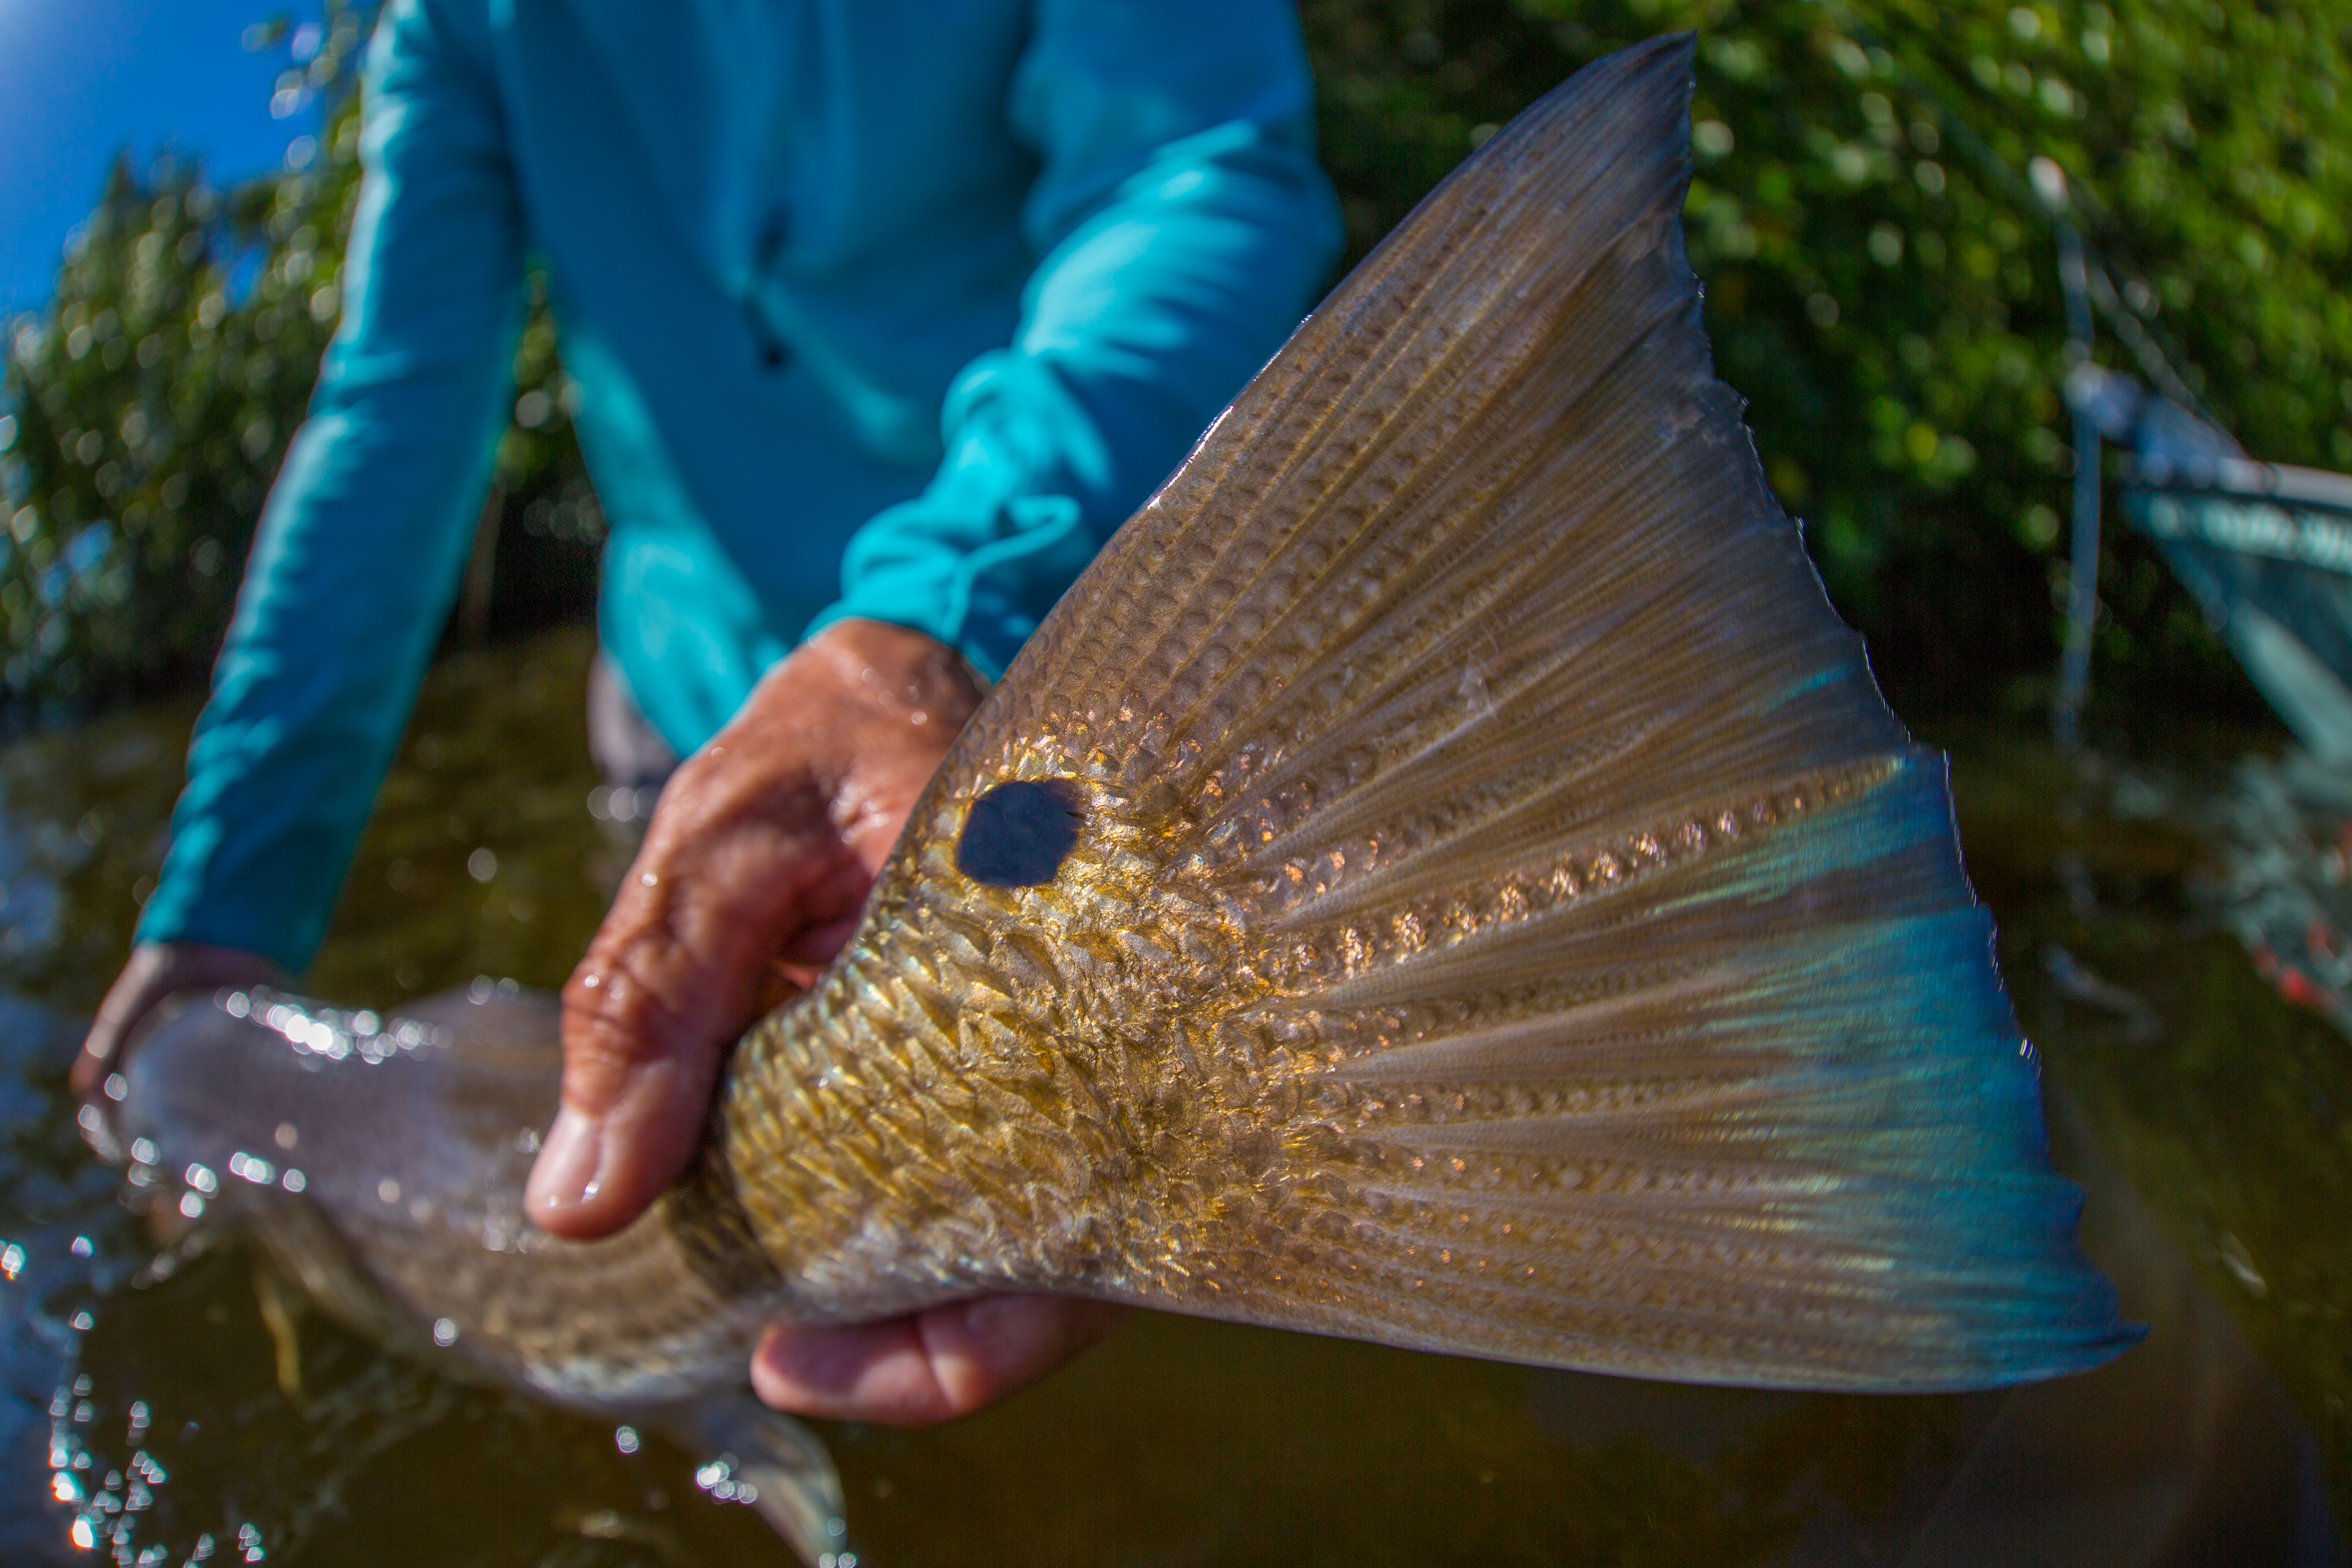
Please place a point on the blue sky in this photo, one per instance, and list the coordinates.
(81, 78)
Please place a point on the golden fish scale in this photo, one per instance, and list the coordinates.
(1014, 1122)
(999, 1092)
(544, 1311)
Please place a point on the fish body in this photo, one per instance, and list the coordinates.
(1444, 876)
(381, 1164)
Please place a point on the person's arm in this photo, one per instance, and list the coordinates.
(363, 537)
(1183, 228)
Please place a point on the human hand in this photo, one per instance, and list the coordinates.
(758, 858)
(157, 970)
(929, 1366)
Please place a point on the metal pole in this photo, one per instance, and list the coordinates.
(2082, 566)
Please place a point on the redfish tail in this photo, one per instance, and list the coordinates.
(1617, 962)
(1446, 875)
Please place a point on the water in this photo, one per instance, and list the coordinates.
(2211, 1119)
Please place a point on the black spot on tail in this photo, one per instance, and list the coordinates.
(1017, 833)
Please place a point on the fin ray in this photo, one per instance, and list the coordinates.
(1508, 920)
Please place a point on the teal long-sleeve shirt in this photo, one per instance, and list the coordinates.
(889, 309)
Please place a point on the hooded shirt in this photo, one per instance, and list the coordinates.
(888, 309)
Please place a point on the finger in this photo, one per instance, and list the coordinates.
(680, 966)
(742, 850)
(933, 1366)
(763, 845)
(126, 1002)
(636, 1094)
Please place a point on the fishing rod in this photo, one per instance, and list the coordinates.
(2083, 563)
(2086, 280)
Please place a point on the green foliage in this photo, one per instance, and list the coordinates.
(1879, 286)
(149, 405)
(153, 400)
(1887, 298)
(124, 474)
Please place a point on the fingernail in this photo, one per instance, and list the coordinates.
(565, 1175)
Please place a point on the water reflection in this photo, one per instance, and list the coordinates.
(225, 1422)
(2187, 1451)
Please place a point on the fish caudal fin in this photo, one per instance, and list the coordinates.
(1495, 911)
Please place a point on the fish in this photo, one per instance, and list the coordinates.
(1444, 876)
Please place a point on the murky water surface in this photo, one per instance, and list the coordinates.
(149, 1415)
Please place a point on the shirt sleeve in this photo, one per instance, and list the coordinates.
(367, 528)
(1183, 228)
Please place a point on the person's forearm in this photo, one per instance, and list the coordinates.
(341, 603)
(1170, 273)
(368, 525)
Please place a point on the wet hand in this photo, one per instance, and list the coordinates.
(764, 844)
(931, 1366)
(761, 849)
(158, 970)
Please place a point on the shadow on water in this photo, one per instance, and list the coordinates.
(173, 1407)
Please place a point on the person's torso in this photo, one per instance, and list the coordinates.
(788, 223)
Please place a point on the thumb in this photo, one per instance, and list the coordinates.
(740, 857)
(637, 1082)
(761, 849)
(679, 968)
